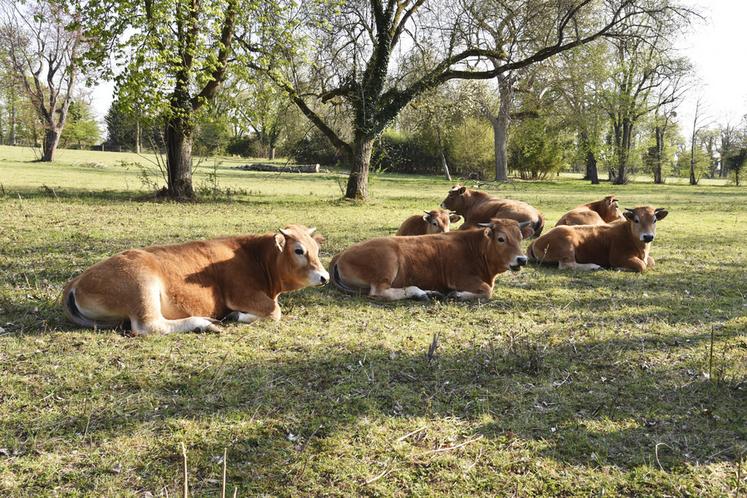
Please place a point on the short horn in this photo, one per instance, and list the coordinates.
(485, 225)
(524, 224)
(659, 209)
(630, 210)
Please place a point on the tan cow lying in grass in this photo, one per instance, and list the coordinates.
(594, 213)
(462, 263)
(435, 221)
(624, 245)
(185, 287)
(479, 207)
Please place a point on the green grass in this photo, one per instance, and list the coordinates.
(563, 384)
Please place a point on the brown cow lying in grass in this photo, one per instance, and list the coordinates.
(624, 245)
(435, 221)
(462, 263)
(593, 213)
(178, 288)
(479, 207)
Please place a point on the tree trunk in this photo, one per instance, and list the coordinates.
(137, 136)
(625, 140)
(271, 155)
(693, 180)
(592, 173)
(500, 129)
(179, 160)
(658, 153)
(359, 164)
(12, 118)
(444, 164)
(49, 146)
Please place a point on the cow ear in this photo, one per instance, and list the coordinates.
(527, 231)
(318, 238)
(462, 190)
(311, 230)
(453, 218)
(661, 213)
(629, 215)
(280, 241)
(426, 216)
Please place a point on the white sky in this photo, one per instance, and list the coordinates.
(717, 48)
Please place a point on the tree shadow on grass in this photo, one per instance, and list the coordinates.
(587, 405)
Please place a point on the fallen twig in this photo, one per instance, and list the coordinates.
(455, 447)
(186, 475)
(399, 440)
(223, 486)
(386, 471)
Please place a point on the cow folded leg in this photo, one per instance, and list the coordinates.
(631, 264)
(396, 294)
(252, 308)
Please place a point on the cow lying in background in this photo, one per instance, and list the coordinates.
(479, 207)
(185, 287)
(435, 221)
(593, 213)
(624, 245)
(462, 263)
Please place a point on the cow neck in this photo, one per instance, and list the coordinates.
(596, 206)
(264, 252)
(632, 239)
(488, 259)
(476, 199)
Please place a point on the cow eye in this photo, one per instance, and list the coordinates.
(636, 219)
(501, 239)
(299, 251)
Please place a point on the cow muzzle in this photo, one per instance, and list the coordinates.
(517, 263)
(318, 277)
(647, 237)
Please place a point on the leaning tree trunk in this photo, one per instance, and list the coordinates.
(360, 162)
(179, 159)
(49, 146)
(659, 152)
(444, 164)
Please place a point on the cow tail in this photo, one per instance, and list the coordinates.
(530, 252)
(539, 225)
(334, 276)
(73, 313)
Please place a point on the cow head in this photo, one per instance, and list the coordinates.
(610, 209)
(299, 257)
(642, 221)
(456, 200)
(505, 236)
(438, 220)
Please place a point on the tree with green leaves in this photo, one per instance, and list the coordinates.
(177, 54)
(372, 58)
(81, 128)
(41, 41)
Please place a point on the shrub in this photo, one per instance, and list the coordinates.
(400, 153)
(535, 150)
(471, 150)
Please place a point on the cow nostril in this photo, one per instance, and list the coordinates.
(323, 279)
(521, 260)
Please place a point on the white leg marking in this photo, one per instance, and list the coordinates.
(415, 292)
(246, 317)
(464, 295)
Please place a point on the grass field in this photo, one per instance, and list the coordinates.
(602, 383)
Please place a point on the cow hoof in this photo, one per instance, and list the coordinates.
(232, 317)
(431, 294)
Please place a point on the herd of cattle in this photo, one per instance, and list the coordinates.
(197, 285)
